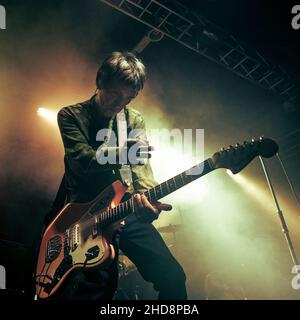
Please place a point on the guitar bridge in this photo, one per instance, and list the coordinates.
(53, 248)
(95, 227)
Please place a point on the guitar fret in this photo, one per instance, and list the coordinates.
(188, 177)
(160, 190)
(103, 218)
(175, 183)
(113, 214)
(121, 211)
(171, 185)
(148, 195)
(167, 187)
(182, 178)
(153, 193)
(109, 213)
(117, 211)
(132, 204)
(129, 208)
(179, 180)
(99, 220)
(106, 216)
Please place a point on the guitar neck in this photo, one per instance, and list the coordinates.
(154, 194)
(179, 181)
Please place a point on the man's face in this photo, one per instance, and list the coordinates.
(114, 98)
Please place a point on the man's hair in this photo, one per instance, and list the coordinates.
(124, 67)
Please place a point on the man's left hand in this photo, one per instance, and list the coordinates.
(147, 212)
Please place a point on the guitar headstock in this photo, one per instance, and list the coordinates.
(235, 158)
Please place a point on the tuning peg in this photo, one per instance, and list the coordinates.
(237, 146)
(252, 140)
(222, 149)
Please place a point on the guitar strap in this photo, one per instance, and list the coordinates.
(125, 171)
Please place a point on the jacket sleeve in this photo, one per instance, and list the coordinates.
(79, 154)
(142, 175)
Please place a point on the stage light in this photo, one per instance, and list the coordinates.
(47, 114)
(167, 162)
(260, 193)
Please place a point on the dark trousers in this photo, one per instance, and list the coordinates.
(144, 246)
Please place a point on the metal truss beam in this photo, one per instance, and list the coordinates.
(176, 21)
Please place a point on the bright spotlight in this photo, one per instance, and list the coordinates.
(49, 115)
(258, 192)
(167, 162)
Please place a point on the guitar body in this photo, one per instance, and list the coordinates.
(71, 242)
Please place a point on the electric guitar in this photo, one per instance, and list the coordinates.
(81, 234)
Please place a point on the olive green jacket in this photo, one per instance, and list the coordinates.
(85, 177)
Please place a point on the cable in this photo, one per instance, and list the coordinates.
(289, 181)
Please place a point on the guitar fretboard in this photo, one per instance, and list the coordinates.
(119, 212)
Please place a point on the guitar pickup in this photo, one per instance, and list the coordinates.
(95, 227)
(75, 237)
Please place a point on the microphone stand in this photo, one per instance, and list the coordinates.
(282, 219)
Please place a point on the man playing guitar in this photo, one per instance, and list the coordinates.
(119, 80)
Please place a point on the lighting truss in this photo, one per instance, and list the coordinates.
(176, 21)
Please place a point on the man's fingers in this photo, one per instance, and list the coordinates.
(163, 206)
(148, 205)
(138, 200)
(146, 211)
